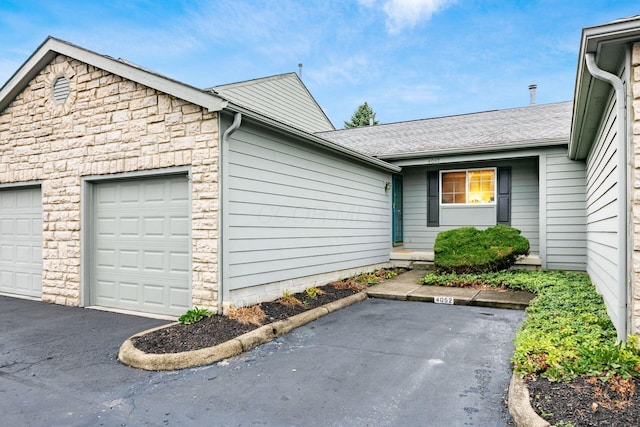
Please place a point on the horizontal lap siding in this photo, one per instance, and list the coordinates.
(417, 235)
(602, 213)
(284, 98)
(524, 205)
(525, 201)
(296, 211)
(565, 213)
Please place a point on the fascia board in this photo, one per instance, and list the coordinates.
(51, 47)
(605, 41)
(525, 145)
(479, 157)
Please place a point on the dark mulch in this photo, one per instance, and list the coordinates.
(218, 329)
(587, 401)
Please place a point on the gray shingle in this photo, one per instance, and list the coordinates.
(490, 130)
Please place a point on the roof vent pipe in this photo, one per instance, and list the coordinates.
(300, 70)
(532, 94)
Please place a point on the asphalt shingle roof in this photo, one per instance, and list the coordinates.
(535, 125)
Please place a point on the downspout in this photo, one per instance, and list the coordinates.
(224, 150)
(623, 216)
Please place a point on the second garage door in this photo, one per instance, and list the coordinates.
(21, 241)
(140, 247)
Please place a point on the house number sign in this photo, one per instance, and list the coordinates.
(443, 300)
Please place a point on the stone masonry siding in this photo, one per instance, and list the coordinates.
(635, 206)
(107, 125)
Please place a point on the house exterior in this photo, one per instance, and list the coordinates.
(124, 189)
(517, 161)
(605, 135)
(121, 188)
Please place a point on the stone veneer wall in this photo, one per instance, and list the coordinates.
(635, 206)
(107, 125)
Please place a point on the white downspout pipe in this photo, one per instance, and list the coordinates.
(623, 215)
(224, 150)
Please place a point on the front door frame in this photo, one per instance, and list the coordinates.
(397, 226)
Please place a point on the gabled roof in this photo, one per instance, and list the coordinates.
(52, 47)
(283, 97)
(498, 130)
(607, 43)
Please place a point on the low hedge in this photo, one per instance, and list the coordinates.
(469, 250)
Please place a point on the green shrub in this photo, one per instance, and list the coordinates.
(194, 315)
(469, 250)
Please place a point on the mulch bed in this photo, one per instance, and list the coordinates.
(217, 329)
(587, 401)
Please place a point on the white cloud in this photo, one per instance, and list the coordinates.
(347, 70)
(403, 14)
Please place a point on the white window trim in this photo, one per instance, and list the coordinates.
(466, 183)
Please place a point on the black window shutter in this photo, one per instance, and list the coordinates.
(433, 199)
(503, 207)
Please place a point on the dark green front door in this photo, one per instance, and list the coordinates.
(396, 205)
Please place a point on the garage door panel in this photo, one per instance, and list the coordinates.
(21, 241)
(179, 226)
(142, 244)
(179, 262)
(154, 226)
(154, 261)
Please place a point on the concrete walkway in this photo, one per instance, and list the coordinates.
(405, 287)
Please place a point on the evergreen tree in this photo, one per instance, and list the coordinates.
(362, 117)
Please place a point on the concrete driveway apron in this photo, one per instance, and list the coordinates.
(376, 363)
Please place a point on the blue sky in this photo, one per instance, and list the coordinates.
(409, 59)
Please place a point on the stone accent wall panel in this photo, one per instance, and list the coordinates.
(107, 125)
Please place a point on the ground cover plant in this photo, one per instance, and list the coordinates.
(191, 334)
(469, 250)
(566, 349)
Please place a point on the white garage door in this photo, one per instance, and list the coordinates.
(141, 241)
(21, 242)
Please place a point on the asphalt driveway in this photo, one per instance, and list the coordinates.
(376, 363)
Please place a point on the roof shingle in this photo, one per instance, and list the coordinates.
(535, 125)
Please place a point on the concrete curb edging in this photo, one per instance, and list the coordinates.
(131, 356)
(520, 405)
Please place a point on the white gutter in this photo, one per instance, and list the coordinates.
(622, 183)
(224, 150)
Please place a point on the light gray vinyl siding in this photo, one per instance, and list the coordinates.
(525, 198)
(294, 210)
(564, 212)
(524, 206)
(602, 213)
(283, 97)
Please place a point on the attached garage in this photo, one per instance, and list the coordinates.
(21, 241)
(140, 245)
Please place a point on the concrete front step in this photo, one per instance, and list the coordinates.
(423, 260)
